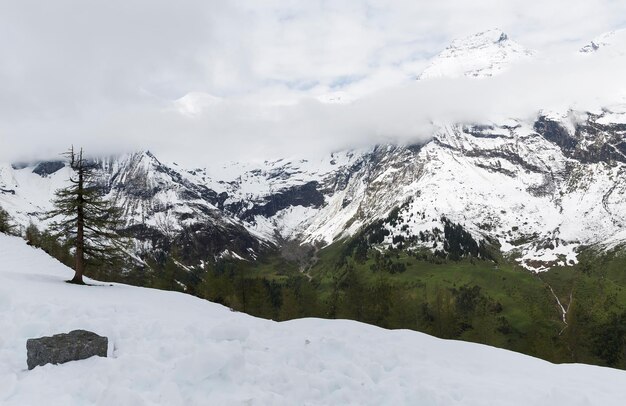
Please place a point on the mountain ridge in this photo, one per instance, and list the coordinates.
(479, 55)
(548, 181)
(537, 190)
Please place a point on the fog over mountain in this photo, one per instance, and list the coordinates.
(454, 168)
(239, 81)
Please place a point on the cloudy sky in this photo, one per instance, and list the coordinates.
(208, 81)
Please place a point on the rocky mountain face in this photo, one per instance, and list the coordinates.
(536, 190)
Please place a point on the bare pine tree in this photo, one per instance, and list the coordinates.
(84, 219)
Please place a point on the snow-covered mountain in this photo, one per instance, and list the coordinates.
(162, 206)
(477, 56)
(612, 41)
(537, 189)
(167, 348)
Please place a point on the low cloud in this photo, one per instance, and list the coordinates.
(246, 128)
(107, 75)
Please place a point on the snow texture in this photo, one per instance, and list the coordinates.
(168, 348)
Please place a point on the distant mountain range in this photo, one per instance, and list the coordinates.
(536, 190)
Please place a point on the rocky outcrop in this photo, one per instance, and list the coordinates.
(306, 195)
(44, 169)
(61, 348)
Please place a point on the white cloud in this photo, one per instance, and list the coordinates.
(106, 74)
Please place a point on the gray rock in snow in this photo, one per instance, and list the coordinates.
(62, 348)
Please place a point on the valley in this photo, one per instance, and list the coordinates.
(508, 232)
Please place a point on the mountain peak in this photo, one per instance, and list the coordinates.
(479, 55)
(494, 36)
(612, 39)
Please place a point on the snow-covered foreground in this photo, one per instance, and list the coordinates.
(172, 349)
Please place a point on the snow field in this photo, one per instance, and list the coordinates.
(168, 348)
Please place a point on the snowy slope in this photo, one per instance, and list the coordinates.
(24, 193)
(612, 41)
(272, 195)
(514, 184)
(172, 349)
(477, 56)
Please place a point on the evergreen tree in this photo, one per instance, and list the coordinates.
(333, 303)
(290, 308)
(258, 300)
(446, 323)
(5, 223)
(167, 276)
(355, 295)
(49, 243)
(610, 340)
(379, 298)
(32, 235)
(84, 219)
